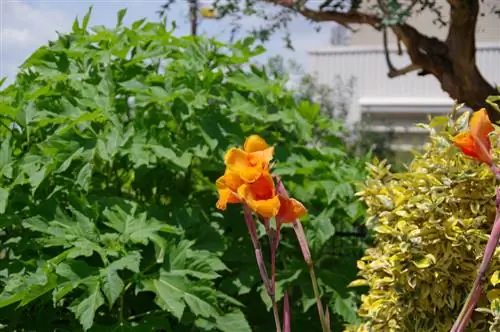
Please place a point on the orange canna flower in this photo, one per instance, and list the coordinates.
(475, 142)
(252, 161)
(260, 196)
(290, 210)
(227, 187)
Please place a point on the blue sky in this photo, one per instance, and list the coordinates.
(27, 24)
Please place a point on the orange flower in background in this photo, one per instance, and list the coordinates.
(475, 142)
(227, 186)
(252, 161)
(260, 196)
(290, 210)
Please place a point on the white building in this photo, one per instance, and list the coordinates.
(397, 104)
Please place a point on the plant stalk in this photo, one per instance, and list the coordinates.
(475, 293)
(304, 247)
(260, 263)
(286, 314)
(319, 305)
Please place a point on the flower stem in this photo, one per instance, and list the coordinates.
(256, 245)
(304, 247)
(286, 314)
(260, 263)
(475, 292)
(276, 315)
(274, 238)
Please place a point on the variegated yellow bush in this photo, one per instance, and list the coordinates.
(431, 224)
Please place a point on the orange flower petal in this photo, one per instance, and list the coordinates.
(260, 196)
(290, 210)
(465, 142)
(236, 157)
(255, 143)
(473, 148)
(480, 125)
(232, 180)
(264, 156)
(238, 162)
(224, 195)
(263, 188)
(226, 192)
(266, 208)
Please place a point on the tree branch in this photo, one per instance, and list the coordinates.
(393, 72)
(452, 61)
(341, 18)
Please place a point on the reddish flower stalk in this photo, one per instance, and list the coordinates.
(327, 318)
(258, 252)
(304, 247)
(286, 314)
(475, 143)
(252, 230)
(274, 238)
(477, 287)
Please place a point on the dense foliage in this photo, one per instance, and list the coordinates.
(111, 140)
(431, 224)
(445, 59)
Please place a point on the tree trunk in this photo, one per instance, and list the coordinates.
(193, 16)
(453, 61)
(452, 65)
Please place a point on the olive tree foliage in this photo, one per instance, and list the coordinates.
(452, 61)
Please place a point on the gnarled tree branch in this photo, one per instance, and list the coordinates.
(393, 72)
(451, 61)
(329, 15)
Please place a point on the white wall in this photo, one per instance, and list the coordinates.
(367, 64)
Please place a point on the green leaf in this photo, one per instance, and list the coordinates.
(174, 293)
(4, 199)
(85, 309)
(86, 18)
(84, 176)
(121, 14)
(308, 111)
(113, 285)
(163, 152)
(39, 284)
(346, 307)
(425, 261)
(136, 228)
(133, 85)
(65, 165)
(138, 23)
(75, 28)
(5, 153)
(169, 294)
(233, 321)
(321, 230)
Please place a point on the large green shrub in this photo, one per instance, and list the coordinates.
(111, 140)
(431, 224)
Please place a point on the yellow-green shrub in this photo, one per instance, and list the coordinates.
(430, 224)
